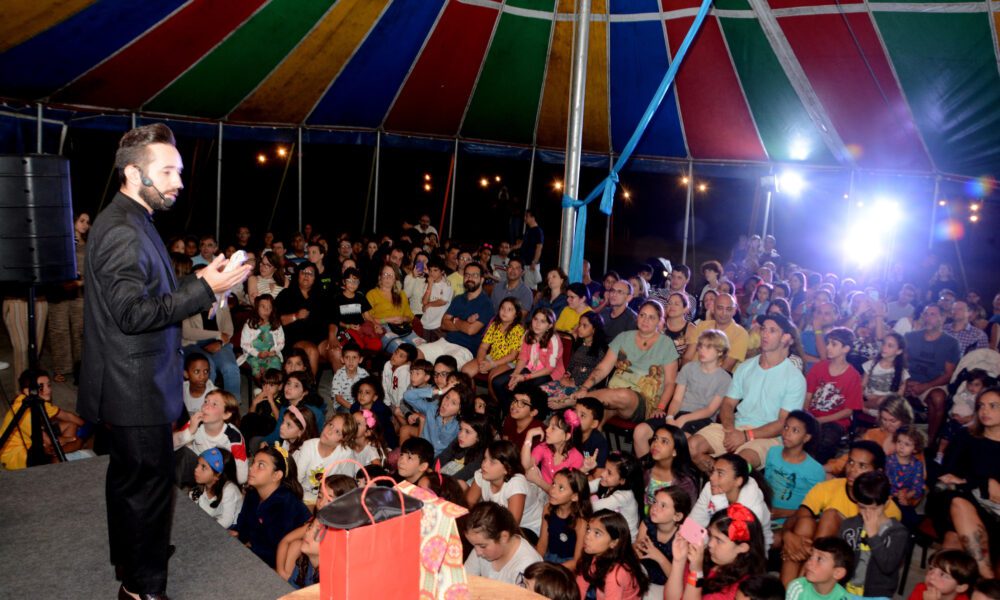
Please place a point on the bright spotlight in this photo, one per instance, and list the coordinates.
(859, 204)
(861, 247)
(626, 194)
(789, 182)
(484, 182)
(846, 196)
(974, 218)
(942, 203)
(886, 212)
(497, 179)
(799, 149)
(974, 207)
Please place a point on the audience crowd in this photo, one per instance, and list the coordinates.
(676, 436)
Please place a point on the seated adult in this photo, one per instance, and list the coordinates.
(826, 506)
(457, 277)
(513, 285)
(392, 312)
(969, 336)
(725, 308)
(761, 395)
(644, 363)
(465, 322)
(577, 303)
(618, 317)
(267, 278)
(18, 452)
(552, 295)
(302, 314)
(931, 357)
(677, 326)
(211, 335)
(967, 514)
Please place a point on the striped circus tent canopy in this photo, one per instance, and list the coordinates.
(863, 84)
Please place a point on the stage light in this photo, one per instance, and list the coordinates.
(886, 212)
(685, 180)
(484, 182)
(557, 185)
(866, 235)
(282, 152)
(789, 182)
(974, 207)
(261, 158)
(859, 204)
(702, 187)
(427, 176)
(846, 196)
(974, 218)
(497, 179)
(942, 203)
(427, 187)
(799, 149)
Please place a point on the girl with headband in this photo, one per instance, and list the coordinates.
(735, 551)
(216, 490)
(273, 504)
(296, 427)
(560, 451)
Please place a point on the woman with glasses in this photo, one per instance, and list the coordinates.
(300, 308)
(267, 278)
(392, 312)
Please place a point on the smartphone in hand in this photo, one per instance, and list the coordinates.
(693, 532)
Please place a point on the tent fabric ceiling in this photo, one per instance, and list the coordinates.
(871, 84)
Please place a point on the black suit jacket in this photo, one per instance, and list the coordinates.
(132, 366)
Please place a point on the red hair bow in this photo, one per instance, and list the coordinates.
(739, 517)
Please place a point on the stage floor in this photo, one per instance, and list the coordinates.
(54, 542)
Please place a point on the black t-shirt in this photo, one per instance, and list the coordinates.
(533, 238)
(349, 310)
(314, 327)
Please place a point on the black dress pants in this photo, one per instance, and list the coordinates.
(140, 498)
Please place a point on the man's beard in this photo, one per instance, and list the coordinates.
(153, 199)
(471, 286)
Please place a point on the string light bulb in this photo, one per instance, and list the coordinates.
(282, 151)
(685, 180)
(974, 218)
(702, 187)
(974, 207)
(942, 203)
(497, 179)
(261, 158)
(427, 176)
(427, 187)
(557, 186)
(484, 182)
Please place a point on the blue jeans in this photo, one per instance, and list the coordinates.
(222, 360)
(391, 341)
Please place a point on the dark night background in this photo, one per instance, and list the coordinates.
(337, 184)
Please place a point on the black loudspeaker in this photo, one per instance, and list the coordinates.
(36, 220)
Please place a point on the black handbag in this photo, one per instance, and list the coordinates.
(400, 329)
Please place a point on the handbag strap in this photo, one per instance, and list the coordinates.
(326, 493)
(364, 492)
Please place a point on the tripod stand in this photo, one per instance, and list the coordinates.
(34, 405)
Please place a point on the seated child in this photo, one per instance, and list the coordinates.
(289, 553)
(500, 552)
(559, 451)
(369, 445)
(464, 456)
(217, 492)
(368, 395)
(273, 504)
(421, 373)
(346, 376)
(415, 457)
(594, 445)
(654, 544)
(833, 392)
(789, 469)
(950, 575)
(262, 415)
(196, 381)
(831, 562)
(396, 378)
(211, 427)
(907, 472)
(501, 480)
(15, 452)
(306, 569)
(760, 587)
(564, 519)
(879, 542)
(335, 442)
(440, 419)
(963, 410)
(552, 581)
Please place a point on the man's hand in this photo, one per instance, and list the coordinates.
(221, 281)
(733, 440)
(795, 547)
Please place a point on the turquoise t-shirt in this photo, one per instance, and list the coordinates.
(763, 394)
(790, 482)
(801, 589)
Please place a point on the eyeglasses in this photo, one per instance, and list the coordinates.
(520, 402)
(442, 373)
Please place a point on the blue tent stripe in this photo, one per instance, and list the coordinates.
(378, 67)
(53, 58)
(638, 57)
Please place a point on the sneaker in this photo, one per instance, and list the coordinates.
(4, 365)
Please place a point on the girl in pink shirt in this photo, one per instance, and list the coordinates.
(609, 567)
(562, 438)
(540, 359)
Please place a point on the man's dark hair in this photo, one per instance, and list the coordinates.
(132, 147)
(840, 334)
(474, 265)
(878, 454)
(762, 587)
(840, 550)
(514, 259)
(686, 270)
(539, 399)
(872, 488)
(420, 448)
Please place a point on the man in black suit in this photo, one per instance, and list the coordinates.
(131, 374)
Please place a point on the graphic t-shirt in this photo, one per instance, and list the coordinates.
(790, 482)
(833, 393)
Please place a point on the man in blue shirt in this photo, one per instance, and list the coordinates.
(931, 357)
(465, 322)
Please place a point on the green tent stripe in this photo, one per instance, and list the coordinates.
(781, 118)
(224, 77)
(505, 102)
(732, 5)
(947, 66)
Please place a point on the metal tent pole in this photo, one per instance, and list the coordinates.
(531, 183)
(687, 211)
(300, 179)
(574, 135)
(38, 133)
(378, 166)
(934, 211)
(218, 187)
(454, 182)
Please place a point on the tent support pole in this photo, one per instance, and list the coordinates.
(531, 183)
(574, 134)
(454, 185)
(687, 211)
(38, 132)
(934, 211)
(135, 120)
(378, 165)
(607, 219)
(300, 178)
(218, 188)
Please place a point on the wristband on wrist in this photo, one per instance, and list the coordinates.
(750, 435)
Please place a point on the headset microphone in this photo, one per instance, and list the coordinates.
(146, 181)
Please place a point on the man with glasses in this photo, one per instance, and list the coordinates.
(725, 308)
(618, 317)
(465, 322)
(514, 286)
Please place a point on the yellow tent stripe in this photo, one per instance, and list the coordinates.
(24, 19)
(290, 92)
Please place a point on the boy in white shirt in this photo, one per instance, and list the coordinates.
(437, 299)
(197, 385)
(396, 374)
(345, 377)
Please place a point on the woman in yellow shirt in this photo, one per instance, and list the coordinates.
(392, 312)
(577, 303)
